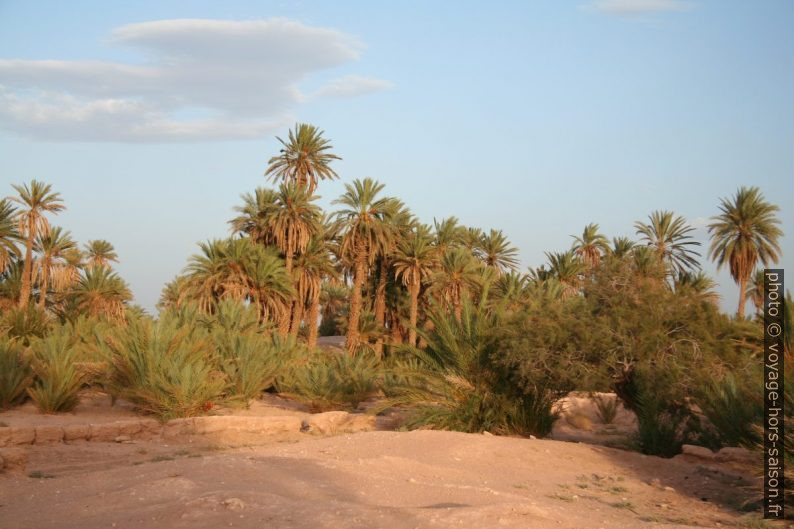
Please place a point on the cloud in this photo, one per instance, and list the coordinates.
(639, 7)
(199, 80)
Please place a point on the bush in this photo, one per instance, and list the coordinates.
(606, 407)
(734, 408)
(24, 324)
(250, 365)
(458, 382)
(15, 373)
(329, 380)
(164, 368)
(58, 374)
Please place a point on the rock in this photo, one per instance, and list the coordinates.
(76, 432)
(486, 432)
(21, 436)
(737, 454)
(14, 458)
(129, 428)
(580, 421)
(5, 434)
(104, 432)
(669, 489)
(48, 434)
(333, 422)
(123, 439)
(233, 503)
(697, 451)
(177, 427)
(532, 437)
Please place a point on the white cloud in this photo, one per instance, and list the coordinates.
(639, 7)
(201, 79)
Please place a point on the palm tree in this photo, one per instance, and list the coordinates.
(51, 248)
(9, 235)
(100, 252)
(495, 251)
(511, 288)
(36, 200)
(591, 245)
(698, 284)
(568, 269)
(621, 247)
(757, 290)
(305, 158)
(295, 219)
(254, 219)
(458, 274)
(311, 268)
(413, 263)
(669, 235)
(745, 233)
(367, 227)
(448, 233)
(100, 292)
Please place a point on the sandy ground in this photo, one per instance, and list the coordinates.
(374, 479)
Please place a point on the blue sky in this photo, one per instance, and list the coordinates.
(536, 118)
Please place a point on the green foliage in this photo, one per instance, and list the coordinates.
(734, 407)
(164, 368)
(25, 324)
(457, 382)
(59, 377)
(330, 380)
(15, 373)
(606, 408)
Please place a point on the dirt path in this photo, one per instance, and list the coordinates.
(424, 479)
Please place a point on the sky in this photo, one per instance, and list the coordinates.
(151, 118)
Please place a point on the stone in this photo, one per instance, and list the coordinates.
(150, 427)
(123, 439)
(177, 427)
(129, 428)
(489, 434)
(333, 422)
(697, 451)
(21, 436)
(233, 503)
(76, 432)
(14, 457)
(737, 454)
(48, 434)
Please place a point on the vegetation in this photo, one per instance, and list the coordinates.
(438, 318)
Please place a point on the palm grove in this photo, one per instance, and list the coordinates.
(437, 318)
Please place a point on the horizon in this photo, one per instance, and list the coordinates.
(694, 96)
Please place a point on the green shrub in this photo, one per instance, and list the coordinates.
(249, 363)
(58, 374)
(734, 408)
(164, 368)
(329, 380)
(24, 324)
(15, 373)
(606, 407)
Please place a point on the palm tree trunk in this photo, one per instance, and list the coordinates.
(414, 312)
(396, 334)
(297, 317)
(314, 314)
(45, 279)
(286, 318)
(355, 303)
(742, 297)
(380, 303)
(27, 270)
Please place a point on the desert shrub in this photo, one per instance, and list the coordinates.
(457, 383)
(330, 380)
(59, 377)
(24, 324)
(15, 373)
(250, 364)
(606, 407)
(734, 407)
(165, 368)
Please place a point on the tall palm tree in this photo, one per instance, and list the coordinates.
(458, 274)
(101, 292)
(495, 251)
(366, 227)
(295, 219)
(36, 200)
(413, 264)
(670, 236)
(757, 290)
(447, 233)
(100, 252)
(254, 217)
(311, 267)
(51, 248)
(745, 233)
(511, 288)
(568, 269)
(9, 235)
(621, 247)
(698, 284)
(304, 159)
(591, 246)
